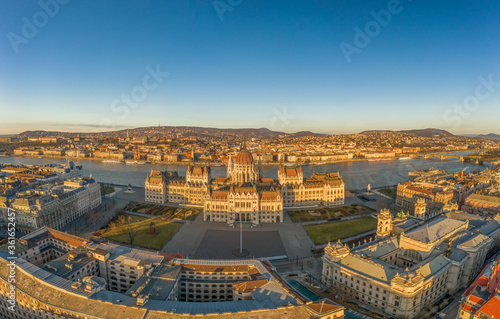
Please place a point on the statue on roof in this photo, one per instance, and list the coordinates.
(402, 215)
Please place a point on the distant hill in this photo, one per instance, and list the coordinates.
(159, 131)
(428, 132)
(491, 136)
(47, 133)
(306, 133)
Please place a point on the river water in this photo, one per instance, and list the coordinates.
(357, 175)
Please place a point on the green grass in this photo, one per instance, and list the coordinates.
(105, 190)
(137, 208)
(163, 210)
(391, 192)
(328, 212)
(332, 231)
(166, 230)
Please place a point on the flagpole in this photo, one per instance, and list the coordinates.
(241, 236)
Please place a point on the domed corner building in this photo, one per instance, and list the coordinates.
(244, 195)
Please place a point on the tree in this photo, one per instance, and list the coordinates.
(131, 233)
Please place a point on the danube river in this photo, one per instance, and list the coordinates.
(357, 175)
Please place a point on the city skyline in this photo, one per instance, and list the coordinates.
(233, 158)
(286, 67)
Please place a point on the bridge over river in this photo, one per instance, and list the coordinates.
(478, 158)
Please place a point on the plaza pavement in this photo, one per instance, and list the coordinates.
(199, 239)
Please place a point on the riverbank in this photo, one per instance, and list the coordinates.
(357, 174)
(186, 163)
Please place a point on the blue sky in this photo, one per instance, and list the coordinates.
(274, 64)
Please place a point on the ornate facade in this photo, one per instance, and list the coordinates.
(242, 169)
(436, 198)
(403, 275)
(54, 205)
(244, 194)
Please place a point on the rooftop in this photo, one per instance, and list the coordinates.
(435, 230)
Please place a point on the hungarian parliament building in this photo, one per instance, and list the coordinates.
(244, 194)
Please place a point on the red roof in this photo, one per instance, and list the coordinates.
(219, 194)
(491, 308)
(244, 158)
(323, 306)
(173, 256)
(246, 286)
(71, 240)
(489, 279)
(291, 172)
(269, 195)
(421, 190)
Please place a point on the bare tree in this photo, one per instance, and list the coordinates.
(111, 225)
(131, 232)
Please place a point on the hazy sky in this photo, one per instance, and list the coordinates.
(338, 66)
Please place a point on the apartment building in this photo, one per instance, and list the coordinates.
(102, 280)
(54, 206)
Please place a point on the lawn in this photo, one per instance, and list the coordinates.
(166, 230)
(323, 233)
(134, 218)
(164, 211)
(391, 192)
(105, 190)
(327, 213)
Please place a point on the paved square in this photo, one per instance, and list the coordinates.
(219, 244)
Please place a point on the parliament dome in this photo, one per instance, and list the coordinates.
(244, 157)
